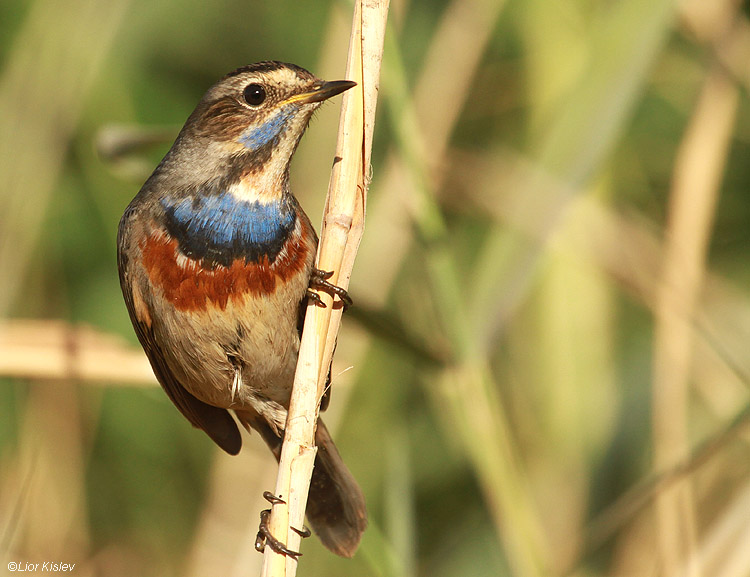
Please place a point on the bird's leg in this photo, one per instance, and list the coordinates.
(265, 537)
(319, 280)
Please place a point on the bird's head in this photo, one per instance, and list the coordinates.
(249, 123)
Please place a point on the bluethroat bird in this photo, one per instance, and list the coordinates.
(216, 258)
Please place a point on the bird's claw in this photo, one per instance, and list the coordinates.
(273, 499)
(265, 537)
(304, 532)
(319, 280)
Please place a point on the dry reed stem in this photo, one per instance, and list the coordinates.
(56, 350)
(343, 224)
(697, 177)
(628, 250)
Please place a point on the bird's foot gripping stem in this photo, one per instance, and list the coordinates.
(319, 280)
(265, 537)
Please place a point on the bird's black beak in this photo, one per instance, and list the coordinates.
(322, 92)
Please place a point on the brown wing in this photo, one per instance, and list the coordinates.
(217, 423)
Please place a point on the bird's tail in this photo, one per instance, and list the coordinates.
(335, 506)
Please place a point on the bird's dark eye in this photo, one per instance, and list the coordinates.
(254, 94)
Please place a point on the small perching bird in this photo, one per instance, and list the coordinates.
(216, 257)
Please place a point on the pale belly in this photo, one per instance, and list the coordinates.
(229, 333)
(239, 355)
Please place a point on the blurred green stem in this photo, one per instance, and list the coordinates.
(61, 45)
(582, 133)
(467, 387)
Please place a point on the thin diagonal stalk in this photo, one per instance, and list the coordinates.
(697, 177)
(343, 224)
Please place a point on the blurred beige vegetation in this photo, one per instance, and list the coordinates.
(545, 372)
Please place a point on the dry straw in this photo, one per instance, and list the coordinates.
(343, 224)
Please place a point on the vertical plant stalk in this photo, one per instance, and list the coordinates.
(343, 225)
(697, 177)
(466, 393)
(65, 46)
(58, 45)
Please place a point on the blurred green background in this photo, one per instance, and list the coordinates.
(546, 372)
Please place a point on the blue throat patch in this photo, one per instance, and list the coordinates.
(258, 136)
(220, 228)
